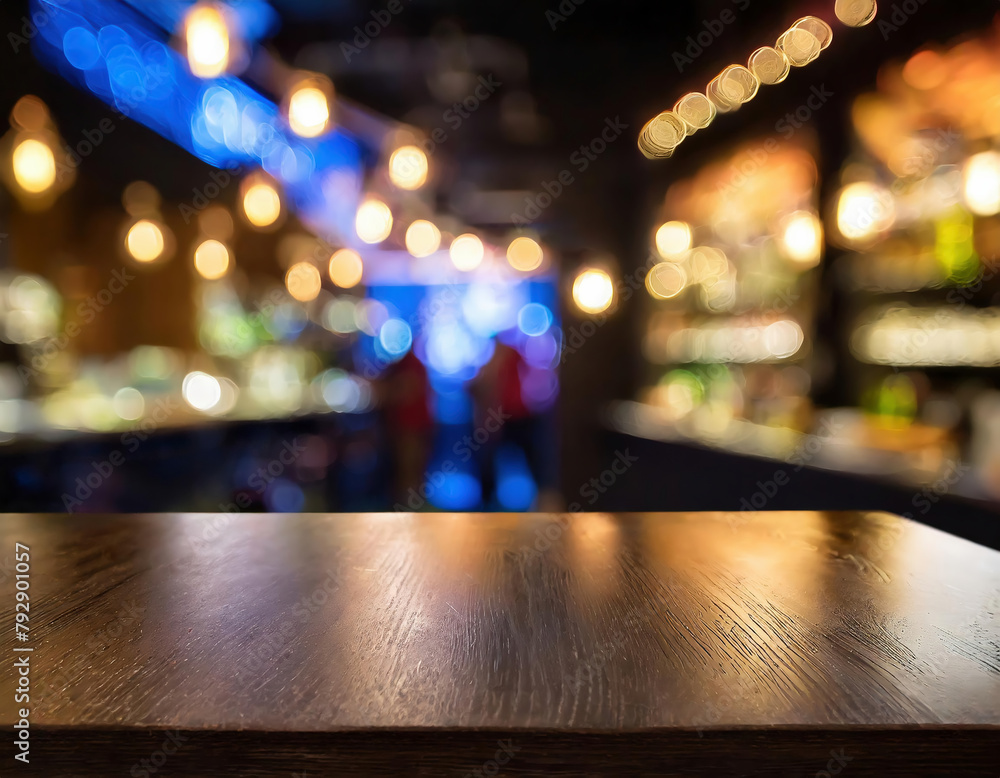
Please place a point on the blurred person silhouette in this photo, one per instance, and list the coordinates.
(504, 419)
(406, 403)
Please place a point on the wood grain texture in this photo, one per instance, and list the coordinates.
(597, 643)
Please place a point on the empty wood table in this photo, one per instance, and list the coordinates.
(804, 643)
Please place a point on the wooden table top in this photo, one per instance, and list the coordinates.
(338, 640)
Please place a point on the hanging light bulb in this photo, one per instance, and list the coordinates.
(309, 107)
(34, 166)
(261, 204)
(145, 241)
(207, 36)
(211, 259)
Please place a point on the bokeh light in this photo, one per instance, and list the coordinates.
(303, 281)
(524, 254)
(666, 280)
(467, 252)
(855, 13)
(864, 210)
(308, 110)
(34, 166)
(593, 290)
(211, 259)
(981, 184)
(673, 239)
(373, 222)
(696, 111)
(423, 238)
(408, 167)
(145, 241)
(395, 337)
(261, 204)
(207, 36)
(345, 268)
(801, 238)
(201, 391)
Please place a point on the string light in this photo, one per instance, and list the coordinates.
(346, 268)
(145, 241)
(673, 239)
(211, 259)
(408, 167)
(261, 204)
(467, 252)
(308, 109)
(422, 238)
(207, 38)
(855, 13)
(524, 254)
(303, 281)
(373, 222)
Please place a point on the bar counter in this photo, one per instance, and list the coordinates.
(794, 643)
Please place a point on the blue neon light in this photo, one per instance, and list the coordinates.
(119, 55)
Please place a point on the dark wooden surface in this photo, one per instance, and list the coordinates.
(596, 644)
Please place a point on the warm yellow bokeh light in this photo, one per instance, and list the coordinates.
(593, 291)
(308, 111)
(303, 281)
(423, 238)
(346, 268)
(262, 204)
(673, 239)
(467, 252)
(145, 241)
(373, 222)
(855, 13)
(211, 259)
(207, 41)
(408, 167)
(666, 280)
(981, 185)
(524, 254)
(864, 210)
(802, 238)
(34, 166)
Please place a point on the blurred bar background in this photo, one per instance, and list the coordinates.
(302, 256)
